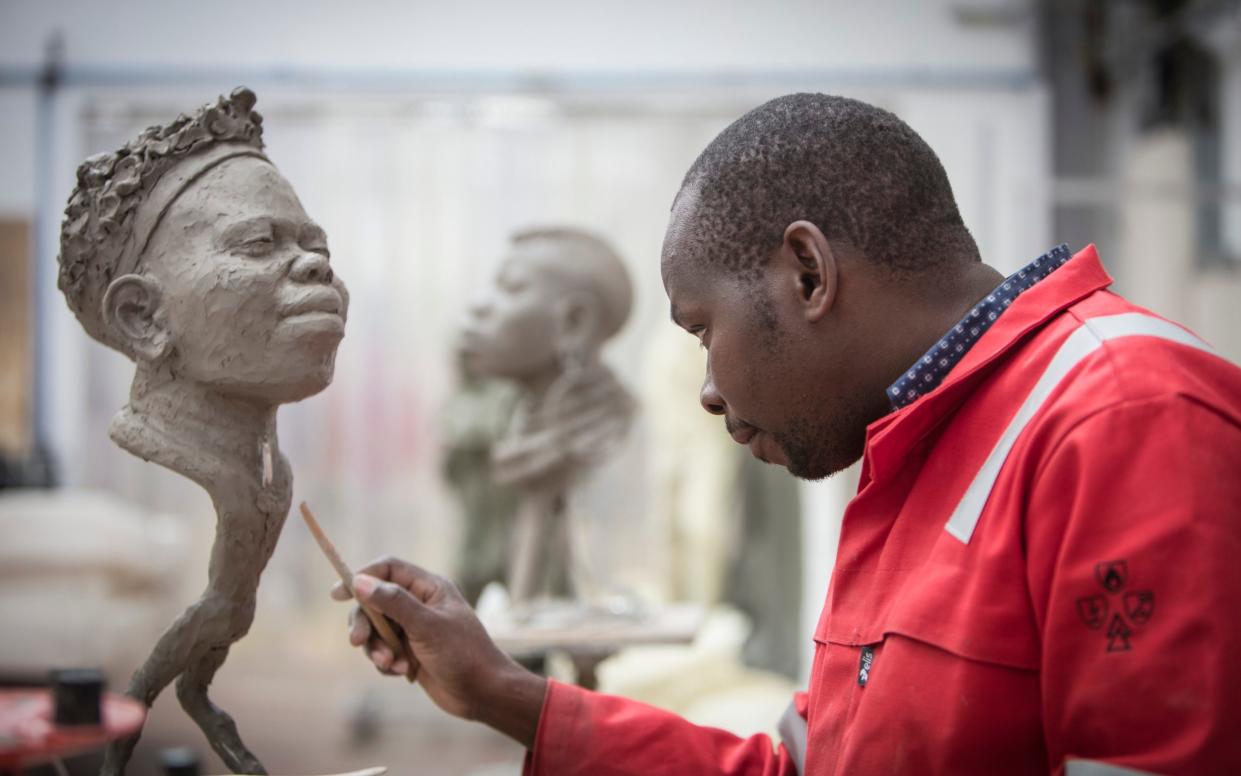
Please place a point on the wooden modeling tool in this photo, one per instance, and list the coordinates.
(378, 621)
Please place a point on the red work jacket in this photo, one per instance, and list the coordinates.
(1042, 563)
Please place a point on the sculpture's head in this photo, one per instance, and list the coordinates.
(559, 294)
(187, 249)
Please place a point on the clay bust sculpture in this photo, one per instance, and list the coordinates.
(187, 251)
(559, 295)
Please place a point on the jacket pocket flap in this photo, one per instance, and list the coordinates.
(978, 613)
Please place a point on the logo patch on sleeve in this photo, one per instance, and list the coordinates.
(1133, 608)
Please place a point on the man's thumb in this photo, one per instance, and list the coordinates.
(389, 599)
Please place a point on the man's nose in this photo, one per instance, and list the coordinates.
(711, 400)
(311, 267)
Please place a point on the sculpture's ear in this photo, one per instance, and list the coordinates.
(130, 307)
(578, 320)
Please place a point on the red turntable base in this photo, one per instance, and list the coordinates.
(29, 736)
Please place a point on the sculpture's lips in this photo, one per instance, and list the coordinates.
(316, 311)
(319, 300)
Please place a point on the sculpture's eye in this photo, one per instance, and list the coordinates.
(258, 246)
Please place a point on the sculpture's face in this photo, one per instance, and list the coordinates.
(247, 296)
(512, 328)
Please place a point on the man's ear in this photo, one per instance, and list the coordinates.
(130, 307)
(810, 266)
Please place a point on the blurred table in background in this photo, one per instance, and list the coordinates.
(588, 637)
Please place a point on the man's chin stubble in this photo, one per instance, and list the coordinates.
(820, 459)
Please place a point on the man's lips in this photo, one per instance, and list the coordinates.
(741, 433)
(748, 436)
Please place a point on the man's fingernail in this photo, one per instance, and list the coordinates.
(364, 584)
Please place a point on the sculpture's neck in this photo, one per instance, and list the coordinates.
(567, 424)
(221, 442)
(534, 389)
(540, 389)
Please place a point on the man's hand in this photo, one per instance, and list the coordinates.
(457, 663)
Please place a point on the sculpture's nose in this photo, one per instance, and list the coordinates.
(311, 267)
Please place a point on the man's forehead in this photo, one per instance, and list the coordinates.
(686, 283)
(683, 239)
(682, 216)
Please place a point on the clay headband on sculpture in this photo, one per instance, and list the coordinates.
(151, 210)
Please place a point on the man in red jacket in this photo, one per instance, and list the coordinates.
(1039, 572)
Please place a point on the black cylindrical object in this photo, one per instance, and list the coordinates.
(78, 696)
(180, 762)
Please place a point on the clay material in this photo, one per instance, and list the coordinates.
(190, 253)
(560, 294)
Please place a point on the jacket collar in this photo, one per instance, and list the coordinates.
(889, 437)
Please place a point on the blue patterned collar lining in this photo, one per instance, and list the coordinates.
(929, 371)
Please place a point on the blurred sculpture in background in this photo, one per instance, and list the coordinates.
(189, 252)
(560, 294)
(473, 419)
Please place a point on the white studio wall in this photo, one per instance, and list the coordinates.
(928, 38)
